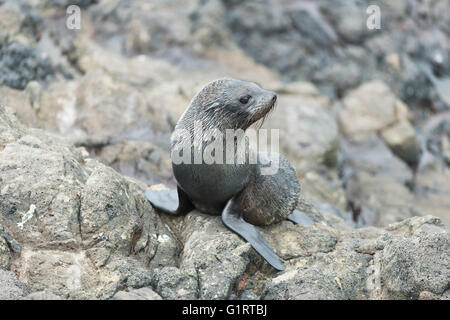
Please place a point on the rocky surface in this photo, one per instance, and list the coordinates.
(85, 121)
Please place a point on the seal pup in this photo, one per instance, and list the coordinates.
(236, 190)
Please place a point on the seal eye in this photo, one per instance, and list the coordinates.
(244, 99)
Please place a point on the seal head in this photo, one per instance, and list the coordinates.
(228, 104)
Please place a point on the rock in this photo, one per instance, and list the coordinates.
(20, 101)
(323, 207)
(324, 185)
(436, 130)
(20, 21)
(308, 20)
(77, 212)
(372, 156)
(5, 255)
(123, 273)
(20, 64)
(134, 114)
(402, 140)
(303, 284)
(42, 295)
(214, 255)
(13, 246)
(378, 200)
(369, 263)
(65, 3)
(127, 18)
(255, 23)
(12, 288)
(174, 284)
(305, 122)
(209, 26)
(408, 270)
(139, 159)
(369, 108)
(293, 242)
(65, 273)
(137, 294)
(412, 265)
(432, 189)
(248, 295)
(80, 109)
(11, 20)
(349, 19)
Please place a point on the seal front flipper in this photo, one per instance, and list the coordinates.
(300, 218)
(173, 202)
(232, 218)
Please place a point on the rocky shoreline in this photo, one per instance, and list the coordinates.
(85, 121)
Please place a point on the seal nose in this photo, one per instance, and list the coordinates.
(274, 98)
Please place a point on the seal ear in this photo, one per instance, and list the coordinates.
(213, 106)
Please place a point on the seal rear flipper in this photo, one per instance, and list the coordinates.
(232, 218)
(173, 202)
(300, 218)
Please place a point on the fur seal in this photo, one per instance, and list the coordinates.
(237, 191)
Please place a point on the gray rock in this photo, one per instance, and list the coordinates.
(378, 200)
(13, 245)
(11, 20)
(347, 216)
(307, 283)
(134, 113)
(294, 241)
(405, 261)
(349, 19)
(19, 21)
(138, 159)
(402, 140)
(12, 288)
(417, 263)
(214, 254)
(432, 190)
(248, 295)
(371, 155)
(42, 295)
(306, 122)
(66, 220)
(436, 129)
(5, 255)
(21, 102)
(308, 20)
(20, 64)
(174, 284)
(369, 108)
(137, 294)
